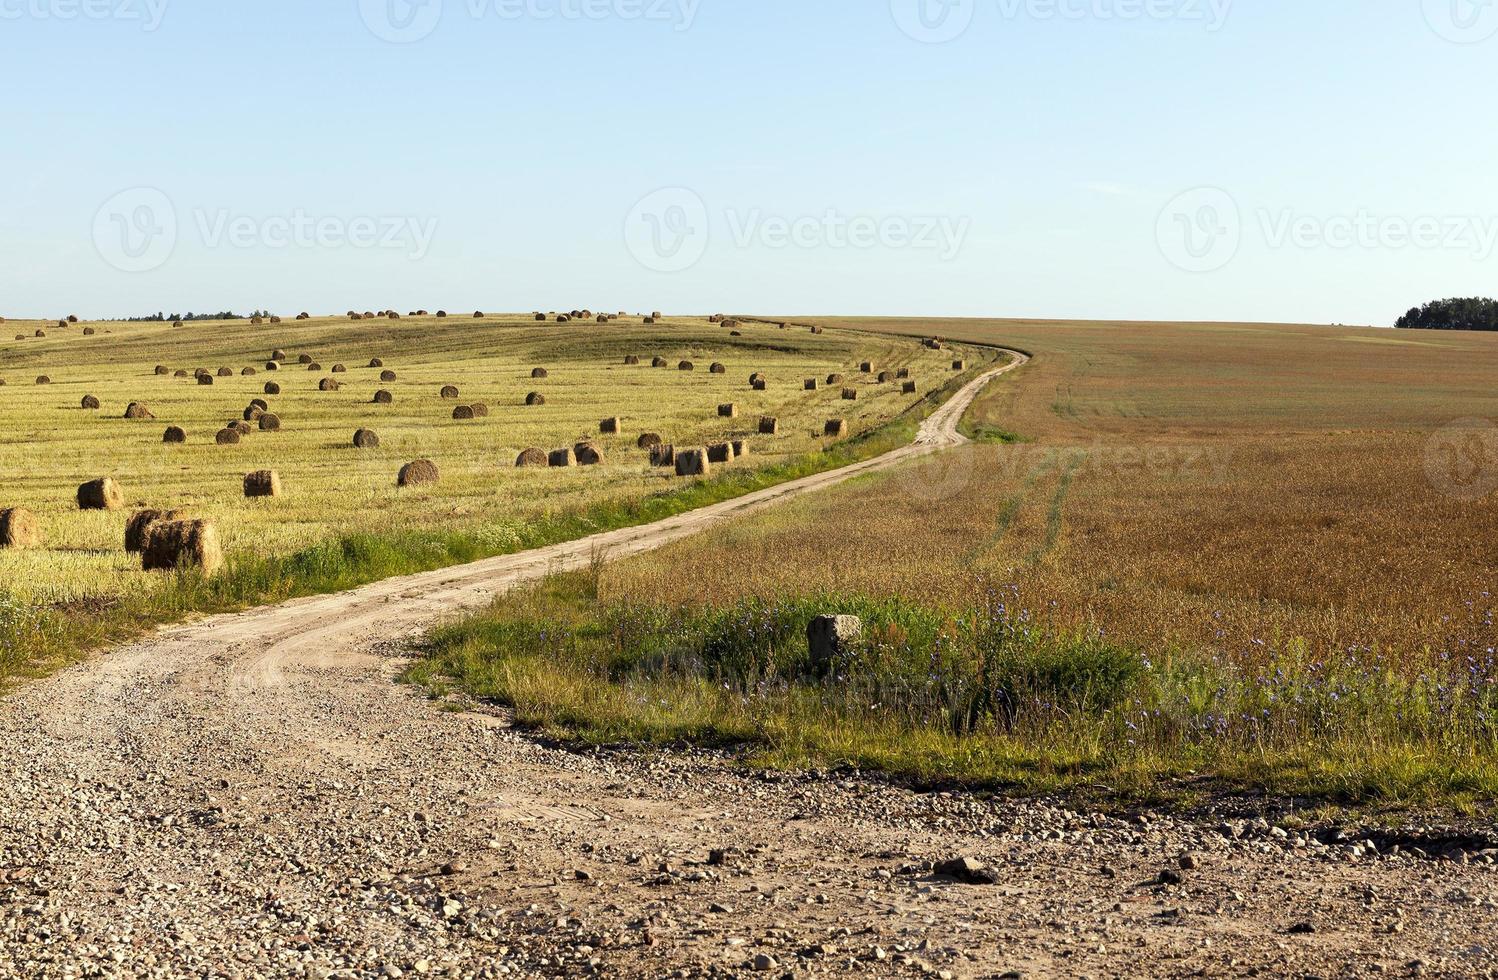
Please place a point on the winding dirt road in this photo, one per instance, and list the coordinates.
(252, 796)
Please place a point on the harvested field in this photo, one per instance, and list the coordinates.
(305, 434)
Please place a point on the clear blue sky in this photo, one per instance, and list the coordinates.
(504, 157)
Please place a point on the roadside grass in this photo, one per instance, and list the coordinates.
(984, 696)
(37, 639)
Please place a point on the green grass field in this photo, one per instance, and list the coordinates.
(49, 444)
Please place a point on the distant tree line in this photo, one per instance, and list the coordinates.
(1452, 314)
(185, 317)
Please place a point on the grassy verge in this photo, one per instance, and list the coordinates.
(983, 696)
(35, 641)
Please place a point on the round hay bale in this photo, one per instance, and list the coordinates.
(561, 458)
(835, 427)
(19, 528)
(867, 367)
(271, 388)
(39, 333)
(686, 366)
(43, 380)
(720, 452)
(383, 397)
(540, 317)
(270, 422)
(540, 373)
(735, 333)
(757, 376)
(72, 318)
(810, 384)
(449, 392)
(260, 403)
(253, 413)
(728, 411)
(275, 319)
(138, 527)
(718, 369)
(304, 359)
(769, 426)
(588, 454)
(387, 375)
(885, 377)
(327, 384)
(531, 457)
(418, 472)
(89, 401)
(88, 331)
(611, 426)
(375, 362)
(339, 369)
(174, 435)
(663, 455)
(480, 410)
(657, 315)
(314, 367)
(162, 370)
(225, 372)
(650, 319)
(366, 439)
(255, 321)
(564, 318)
(272, 366)
(248, 372)
(659, 362)
(908, 388)
(850, 394)
(463, 413)
(602, 318)
(368, 315)
(227, 437)
(101, 494)
(174, 545)
(356, 316)
(262, 483)
(180, 373)
(205, 379)
(648, 439)
(760, 385)
(834, 379)
(535, 398)
(393, 315)
(692, 462)
(478, 314)
(631, 360)
(138, 410)
(816, 329)
(442, 314)
(278, 355)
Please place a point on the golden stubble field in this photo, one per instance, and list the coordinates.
(49, 444)
(1222, 488)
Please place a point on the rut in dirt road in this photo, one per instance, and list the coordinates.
(251, 796)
